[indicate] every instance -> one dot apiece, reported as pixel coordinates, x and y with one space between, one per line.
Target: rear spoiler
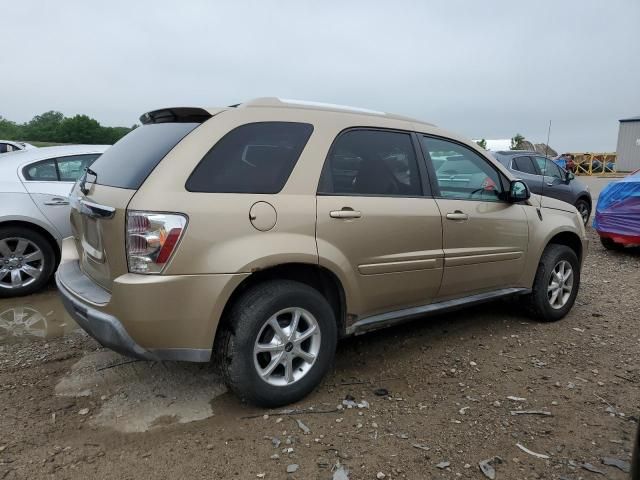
176 115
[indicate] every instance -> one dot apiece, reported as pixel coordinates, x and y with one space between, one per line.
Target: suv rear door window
524 164
252 158
130 161
371 162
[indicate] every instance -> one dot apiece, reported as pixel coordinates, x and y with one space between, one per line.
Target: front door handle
57 201
346 212
551 184
457 215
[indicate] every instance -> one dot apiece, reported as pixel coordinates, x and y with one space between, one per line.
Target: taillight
152 239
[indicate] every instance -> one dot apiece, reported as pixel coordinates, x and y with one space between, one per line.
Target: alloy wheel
560 284
583 210
287 346
21 262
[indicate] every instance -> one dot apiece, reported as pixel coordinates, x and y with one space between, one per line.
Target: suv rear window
130 161
252 158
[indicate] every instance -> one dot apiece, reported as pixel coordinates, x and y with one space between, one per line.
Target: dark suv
544 177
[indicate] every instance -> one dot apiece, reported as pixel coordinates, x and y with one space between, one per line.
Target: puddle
40 316
136 396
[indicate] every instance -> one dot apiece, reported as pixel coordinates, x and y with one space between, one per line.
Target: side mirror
518 191
570 176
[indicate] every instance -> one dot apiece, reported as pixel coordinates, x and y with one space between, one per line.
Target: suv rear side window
371 162
130 161
252 158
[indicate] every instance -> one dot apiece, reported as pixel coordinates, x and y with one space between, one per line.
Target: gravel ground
430 399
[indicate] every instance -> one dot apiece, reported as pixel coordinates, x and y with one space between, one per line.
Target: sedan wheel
27 261
21 263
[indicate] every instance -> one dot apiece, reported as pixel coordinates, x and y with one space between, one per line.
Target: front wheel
556 284
584 209
280 342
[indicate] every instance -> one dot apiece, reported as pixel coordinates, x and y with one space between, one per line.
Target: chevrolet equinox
259 234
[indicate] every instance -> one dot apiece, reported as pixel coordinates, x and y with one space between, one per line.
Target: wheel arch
569 239
41 230
320 278
584 196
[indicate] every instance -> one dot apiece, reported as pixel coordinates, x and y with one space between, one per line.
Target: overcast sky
480 68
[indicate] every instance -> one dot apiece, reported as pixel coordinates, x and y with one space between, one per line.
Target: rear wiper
83 180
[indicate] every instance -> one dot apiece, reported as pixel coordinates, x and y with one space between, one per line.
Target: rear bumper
152 317
105 328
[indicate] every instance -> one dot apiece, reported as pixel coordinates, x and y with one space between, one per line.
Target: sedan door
375 223
49 183
485 238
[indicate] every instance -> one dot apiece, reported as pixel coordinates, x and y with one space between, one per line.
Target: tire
538 302
585 210
248 323
9 245
609 244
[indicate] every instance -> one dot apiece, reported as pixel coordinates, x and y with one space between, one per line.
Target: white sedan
34 212
8 146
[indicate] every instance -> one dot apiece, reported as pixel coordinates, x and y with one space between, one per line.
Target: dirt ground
69 409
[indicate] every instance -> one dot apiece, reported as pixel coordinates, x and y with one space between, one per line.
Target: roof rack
312 105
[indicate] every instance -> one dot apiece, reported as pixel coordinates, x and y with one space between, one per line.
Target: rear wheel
556 284
609 244
584 209
27 261
280 342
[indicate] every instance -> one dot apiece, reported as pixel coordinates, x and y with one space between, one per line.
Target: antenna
544 179
546 148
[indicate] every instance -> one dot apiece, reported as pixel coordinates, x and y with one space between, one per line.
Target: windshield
130 161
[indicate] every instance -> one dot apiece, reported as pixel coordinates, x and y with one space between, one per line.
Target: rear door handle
346 212
457 215
57 201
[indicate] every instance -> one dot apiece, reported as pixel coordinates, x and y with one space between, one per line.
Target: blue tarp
618 209
561 162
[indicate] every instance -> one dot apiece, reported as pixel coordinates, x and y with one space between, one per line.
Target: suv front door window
484 237
371 209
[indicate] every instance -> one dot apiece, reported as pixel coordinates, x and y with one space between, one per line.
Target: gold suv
261 233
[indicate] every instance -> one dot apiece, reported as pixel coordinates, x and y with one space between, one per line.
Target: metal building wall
628 150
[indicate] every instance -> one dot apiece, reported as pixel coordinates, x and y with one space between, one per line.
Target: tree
516 142
44 128
80 129
55 127
8 130
482 143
